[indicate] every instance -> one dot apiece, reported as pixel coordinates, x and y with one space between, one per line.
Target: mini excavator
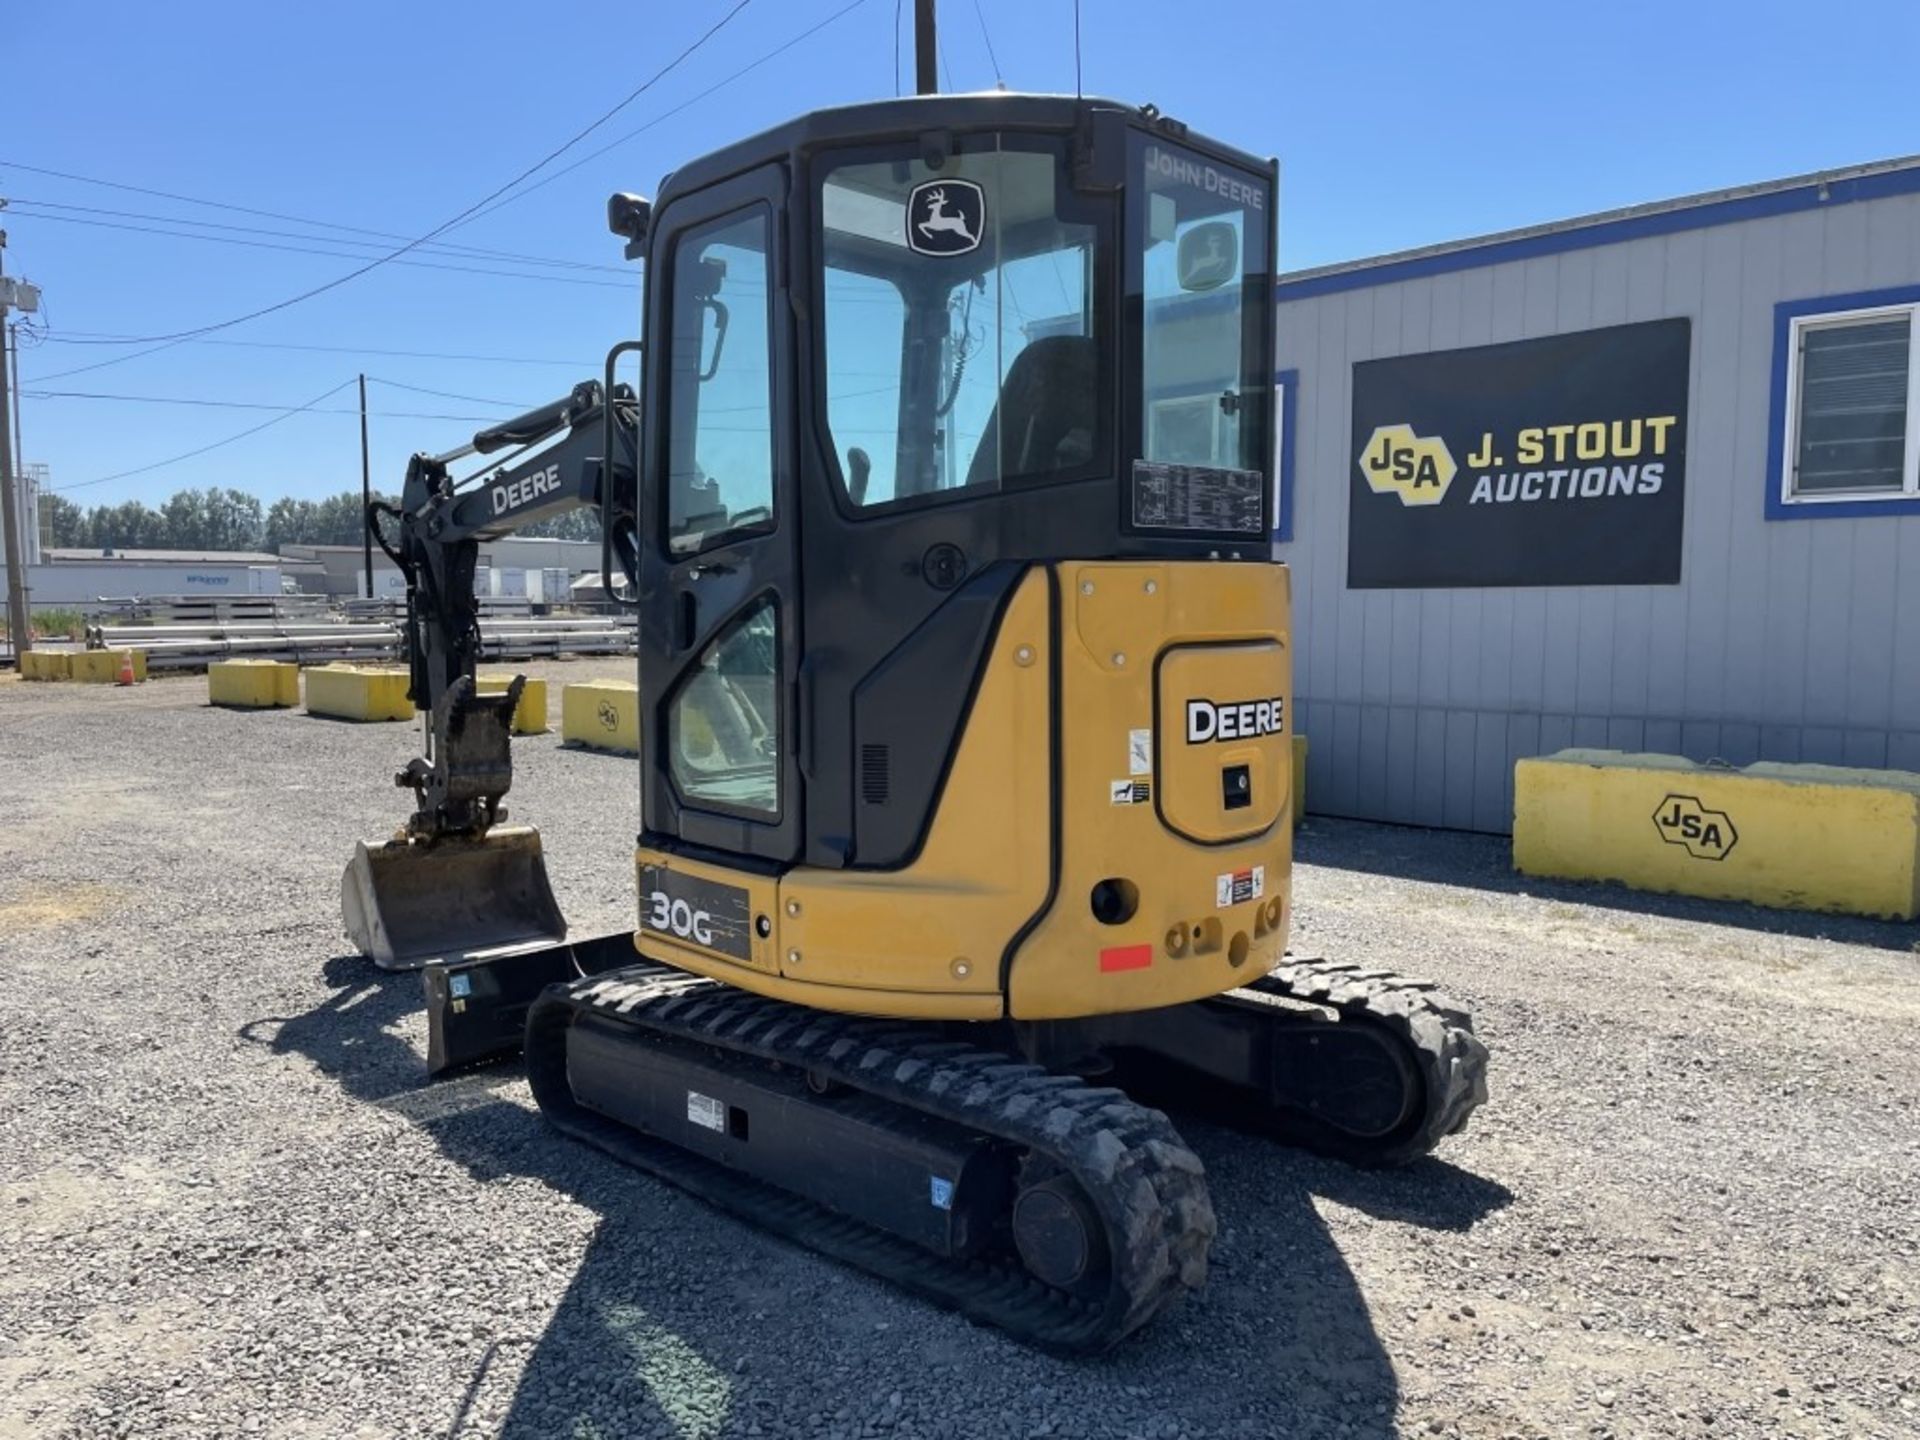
944 501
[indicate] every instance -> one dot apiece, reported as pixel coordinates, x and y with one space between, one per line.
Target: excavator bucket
413 903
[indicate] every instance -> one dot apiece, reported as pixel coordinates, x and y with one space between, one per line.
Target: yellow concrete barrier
253 684
1795 837
350 693
1299 777
530 715
102 667
602 715
46 665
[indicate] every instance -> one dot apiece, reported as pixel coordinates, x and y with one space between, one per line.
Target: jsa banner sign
1559 461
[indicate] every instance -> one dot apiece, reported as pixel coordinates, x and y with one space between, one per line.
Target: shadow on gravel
1485 862
1280 1343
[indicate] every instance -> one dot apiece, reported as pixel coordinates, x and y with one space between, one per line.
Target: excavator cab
966 712
934 385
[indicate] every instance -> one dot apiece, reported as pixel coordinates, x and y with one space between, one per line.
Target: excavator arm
455 881
559 465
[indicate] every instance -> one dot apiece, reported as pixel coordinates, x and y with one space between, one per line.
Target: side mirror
628 217
1209 256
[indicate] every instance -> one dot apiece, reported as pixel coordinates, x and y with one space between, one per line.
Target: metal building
1648 480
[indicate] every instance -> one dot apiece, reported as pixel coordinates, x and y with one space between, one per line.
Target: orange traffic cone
126 668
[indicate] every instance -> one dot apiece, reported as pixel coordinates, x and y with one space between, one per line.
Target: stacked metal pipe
185 646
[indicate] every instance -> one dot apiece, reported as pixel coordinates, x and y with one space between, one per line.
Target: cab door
719 621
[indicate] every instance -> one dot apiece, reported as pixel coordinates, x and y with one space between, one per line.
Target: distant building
1647 480
515 566
68 576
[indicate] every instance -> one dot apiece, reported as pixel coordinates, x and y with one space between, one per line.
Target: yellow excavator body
965 710
1175 840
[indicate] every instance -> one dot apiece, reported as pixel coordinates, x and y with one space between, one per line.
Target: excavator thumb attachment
414 903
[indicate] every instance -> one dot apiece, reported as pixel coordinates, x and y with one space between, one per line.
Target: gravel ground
229 1205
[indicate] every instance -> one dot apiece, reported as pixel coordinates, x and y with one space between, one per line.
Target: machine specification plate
688 908
1198 497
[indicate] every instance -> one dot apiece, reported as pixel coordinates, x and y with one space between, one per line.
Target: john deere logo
946 217
1416 468
609 717
1707 834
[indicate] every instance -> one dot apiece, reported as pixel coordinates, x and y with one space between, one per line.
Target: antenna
1079 91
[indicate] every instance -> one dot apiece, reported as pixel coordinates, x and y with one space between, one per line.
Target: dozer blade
477 1009
414 903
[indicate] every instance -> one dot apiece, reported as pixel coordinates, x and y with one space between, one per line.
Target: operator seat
1048 410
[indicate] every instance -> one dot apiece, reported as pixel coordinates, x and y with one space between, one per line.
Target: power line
247 405
176 336
217 444
666 115
449 395
484 209
62 339
122 225
437 246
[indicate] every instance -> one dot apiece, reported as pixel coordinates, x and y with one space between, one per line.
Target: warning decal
1240 886
707 1112
1130 792
1140 752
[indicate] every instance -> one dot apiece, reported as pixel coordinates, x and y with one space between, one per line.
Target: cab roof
881 121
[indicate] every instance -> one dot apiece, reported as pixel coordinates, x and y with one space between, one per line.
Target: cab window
720 392
961 334
1202 271
723 724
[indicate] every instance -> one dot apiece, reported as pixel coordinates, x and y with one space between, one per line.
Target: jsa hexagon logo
1707 834
1417 468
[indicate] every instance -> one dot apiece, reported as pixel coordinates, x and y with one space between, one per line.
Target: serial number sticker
1140 752
942 1192
704 1110
1129 792
1239 887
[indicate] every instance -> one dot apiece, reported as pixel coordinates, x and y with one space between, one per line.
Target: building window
1852 422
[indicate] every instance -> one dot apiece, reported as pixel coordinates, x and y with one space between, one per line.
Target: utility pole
926 50
19 451
366 493
18 616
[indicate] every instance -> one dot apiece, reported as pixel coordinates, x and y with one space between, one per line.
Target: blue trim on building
1784 314
1608 232
1289 383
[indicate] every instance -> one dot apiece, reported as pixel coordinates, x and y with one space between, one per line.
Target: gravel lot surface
230 1205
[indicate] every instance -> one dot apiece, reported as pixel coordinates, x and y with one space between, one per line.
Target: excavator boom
455 882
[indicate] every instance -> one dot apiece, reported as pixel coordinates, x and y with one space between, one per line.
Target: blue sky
1397 124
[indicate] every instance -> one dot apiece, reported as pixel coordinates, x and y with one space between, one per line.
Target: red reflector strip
1126 957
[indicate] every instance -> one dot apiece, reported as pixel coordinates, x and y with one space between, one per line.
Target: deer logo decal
946 217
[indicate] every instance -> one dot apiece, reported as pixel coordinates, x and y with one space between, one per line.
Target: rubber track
1147 1186
1436 1032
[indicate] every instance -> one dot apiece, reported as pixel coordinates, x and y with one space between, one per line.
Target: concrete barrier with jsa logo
1794 837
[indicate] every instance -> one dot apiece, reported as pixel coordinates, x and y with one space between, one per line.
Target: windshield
1201 269
961 334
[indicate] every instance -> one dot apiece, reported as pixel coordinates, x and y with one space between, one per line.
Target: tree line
219 519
